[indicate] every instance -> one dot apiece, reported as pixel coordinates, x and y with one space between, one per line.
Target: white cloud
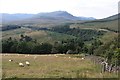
91 8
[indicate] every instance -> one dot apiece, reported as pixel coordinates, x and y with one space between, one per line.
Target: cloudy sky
88 8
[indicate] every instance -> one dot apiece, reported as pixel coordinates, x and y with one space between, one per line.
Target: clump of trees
73 45
25 45
96 43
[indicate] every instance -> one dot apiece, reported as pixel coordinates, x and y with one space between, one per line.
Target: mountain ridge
56 15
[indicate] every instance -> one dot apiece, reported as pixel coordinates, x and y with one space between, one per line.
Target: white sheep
21 64
83 58
10 60
27 63
69 57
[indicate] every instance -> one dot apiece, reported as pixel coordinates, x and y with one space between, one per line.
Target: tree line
28 45
9 27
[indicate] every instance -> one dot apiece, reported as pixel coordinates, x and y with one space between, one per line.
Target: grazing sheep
21 64
83 58
69 57
27 63
10 60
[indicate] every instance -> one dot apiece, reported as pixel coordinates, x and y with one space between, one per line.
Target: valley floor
51 66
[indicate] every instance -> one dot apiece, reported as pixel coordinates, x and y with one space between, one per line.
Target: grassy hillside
98 25
40 36
109 36
15 33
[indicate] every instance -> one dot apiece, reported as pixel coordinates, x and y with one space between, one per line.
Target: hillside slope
110 23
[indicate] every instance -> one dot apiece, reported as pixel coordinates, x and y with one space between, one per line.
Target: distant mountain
86 18
62 15
57 15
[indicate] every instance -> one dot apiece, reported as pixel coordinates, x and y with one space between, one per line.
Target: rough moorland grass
51 66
